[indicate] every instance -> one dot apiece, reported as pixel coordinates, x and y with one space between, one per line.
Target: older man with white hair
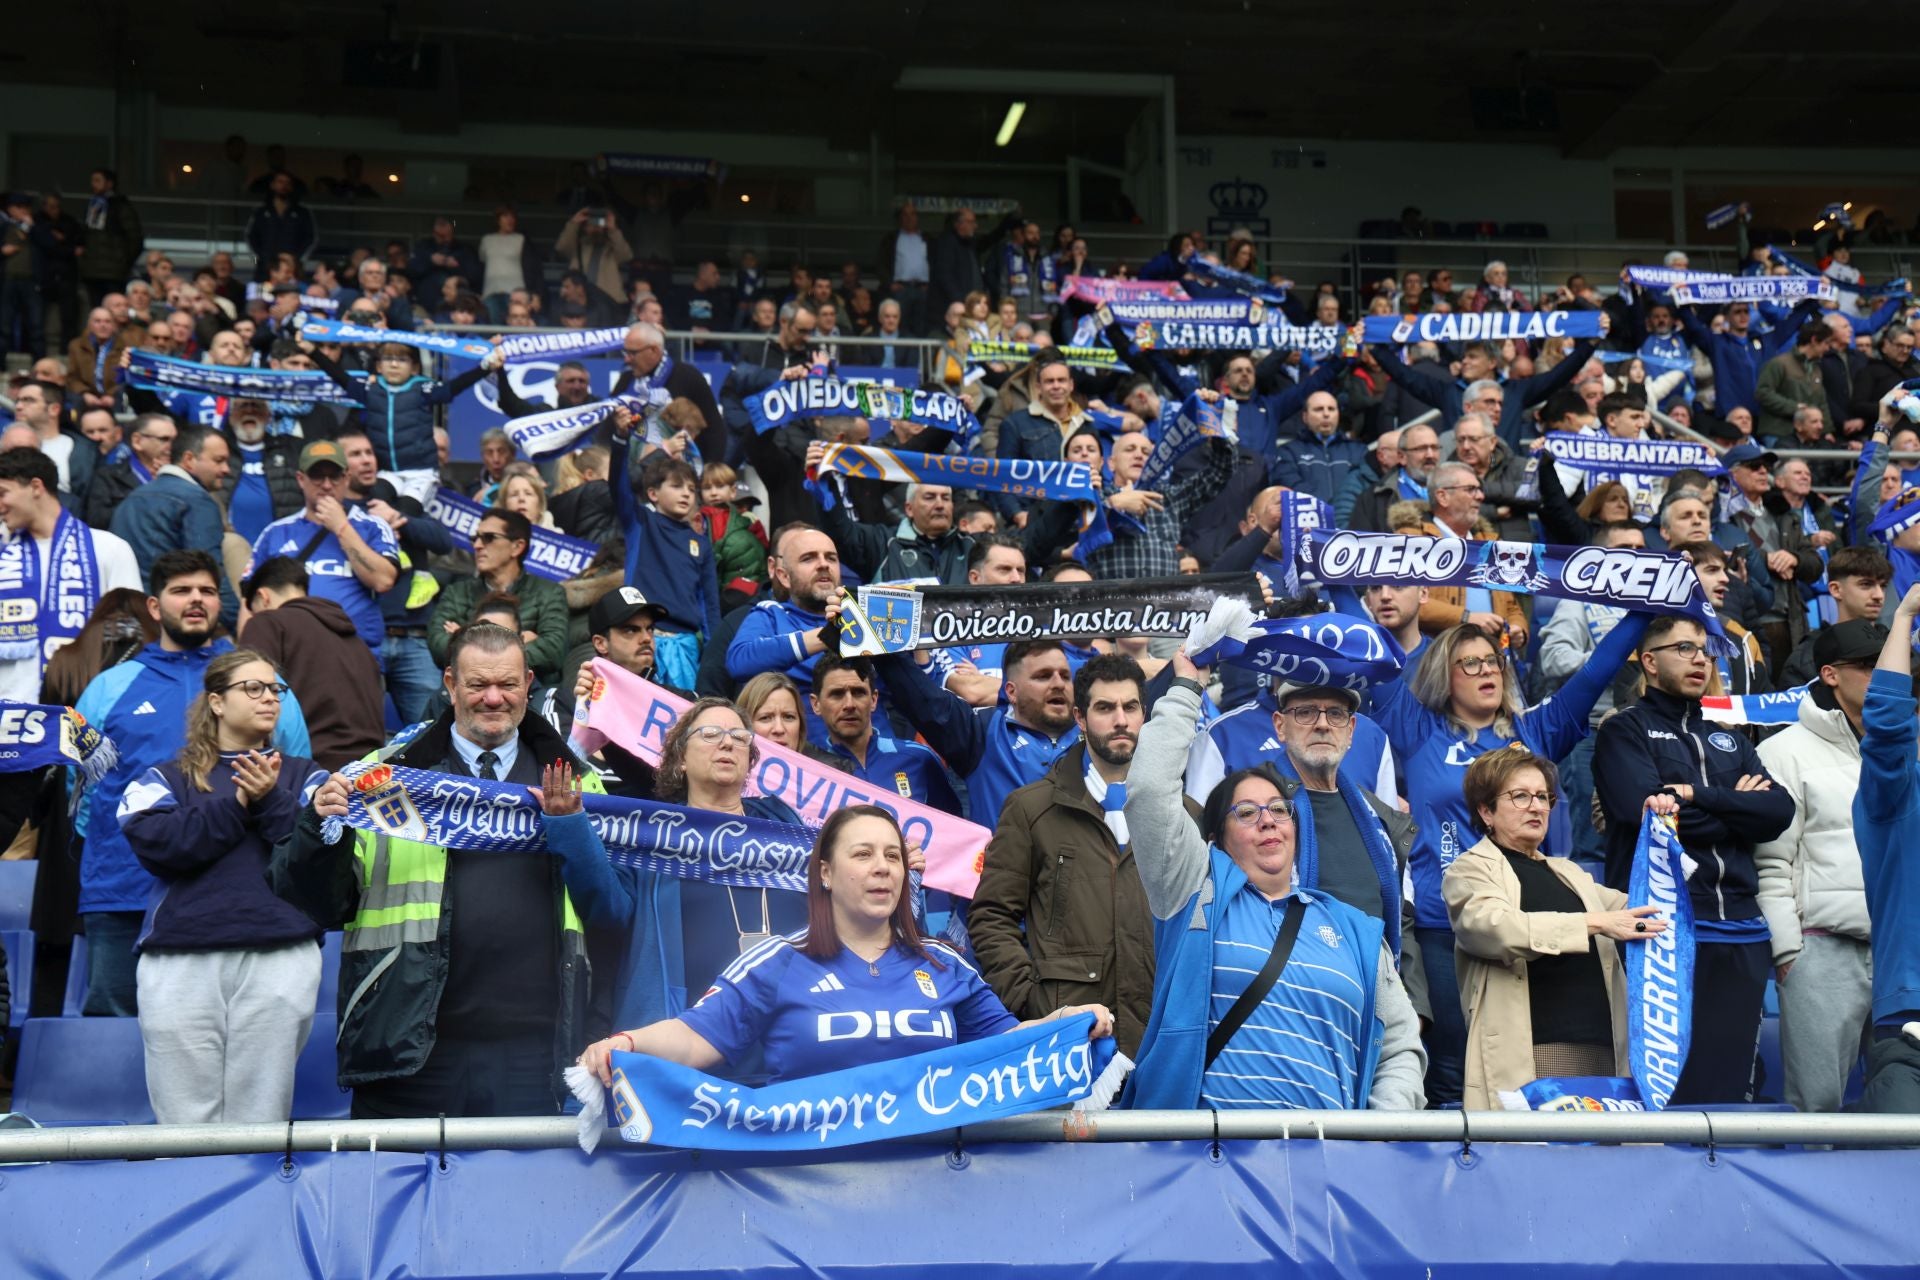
644 351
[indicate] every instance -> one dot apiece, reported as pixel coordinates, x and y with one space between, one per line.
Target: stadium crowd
1272 893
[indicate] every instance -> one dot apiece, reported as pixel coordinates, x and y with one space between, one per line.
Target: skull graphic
1513 565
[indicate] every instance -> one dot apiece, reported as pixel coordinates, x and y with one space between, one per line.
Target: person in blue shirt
1886 823
141 706
1738 353
397 401
845 699
995 750
856 986
350 556
1334 1029
786 634
667 557
1460 702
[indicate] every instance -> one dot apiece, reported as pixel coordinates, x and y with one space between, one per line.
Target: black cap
615 607
1857 640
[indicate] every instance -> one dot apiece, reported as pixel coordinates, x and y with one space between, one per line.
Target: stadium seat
82 1071
74 1003
16 892
18 945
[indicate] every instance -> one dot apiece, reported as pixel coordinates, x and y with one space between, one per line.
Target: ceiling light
186 168
393 177
745 198
1012 122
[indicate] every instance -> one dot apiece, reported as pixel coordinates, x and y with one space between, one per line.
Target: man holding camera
592 245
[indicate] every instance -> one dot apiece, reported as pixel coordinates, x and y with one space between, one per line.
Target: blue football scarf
1727 289
1197 420
1628 578
559 431
1611 456
1216 324
1782 706
361 335
1225 277
820 397
1659 970
1660 279
1021 477
33 736
1574 1093
1481 326
1409 489
1322 649
457 812
983 351
1373 838
1890 289
1896 517
567 342
152 372
1300 514
320 306
41 611
550 555
1722 216
1650 360
663 1104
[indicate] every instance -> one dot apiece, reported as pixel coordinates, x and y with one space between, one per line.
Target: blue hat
1746 454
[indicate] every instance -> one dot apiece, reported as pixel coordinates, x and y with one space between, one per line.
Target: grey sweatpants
1826 1004
223 1030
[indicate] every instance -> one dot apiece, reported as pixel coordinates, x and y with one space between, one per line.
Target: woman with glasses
1543 983
228 972
1460 702
1266 994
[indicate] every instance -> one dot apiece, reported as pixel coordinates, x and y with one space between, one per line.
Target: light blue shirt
910 258
469 752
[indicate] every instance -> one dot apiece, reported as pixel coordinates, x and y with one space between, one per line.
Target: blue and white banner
318 305
558 431
33 736
1022 477
500 817
981 351
1483 326
1660 969
348 334
152 372
566 344
785 403
1032 1068
551 555
634 165
1247 286
1325 649
1865 292
1896 517
1199 419
1650 361
1574 1093
1660 279
1217 324
1611 455
1625 577
1751 289
1723 216
1782 706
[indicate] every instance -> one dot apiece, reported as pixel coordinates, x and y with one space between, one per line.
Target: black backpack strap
1262 982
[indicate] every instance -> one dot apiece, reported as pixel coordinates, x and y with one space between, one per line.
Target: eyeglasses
711 734
1529 799
488 538
1461 488
1307 717
258 689
1475 665
1687 650
1247 813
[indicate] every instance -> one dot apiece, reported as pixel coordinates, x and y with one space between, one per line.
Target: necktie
488 771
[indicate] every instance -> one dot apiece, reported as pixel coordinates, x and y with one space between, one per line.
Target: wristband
621 1035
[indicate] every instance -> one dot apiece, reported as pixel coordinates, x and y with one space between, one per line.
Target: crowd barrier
1150 1195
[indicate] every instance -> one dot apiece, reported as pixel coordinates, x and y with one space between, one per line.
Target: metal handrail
1717 1129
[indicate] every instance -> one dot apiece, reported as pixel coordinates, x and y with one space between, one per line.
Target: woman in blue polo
858 985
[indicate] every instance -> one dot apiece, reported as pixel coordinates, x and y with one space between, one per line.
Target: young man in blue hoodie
141 706
1886 823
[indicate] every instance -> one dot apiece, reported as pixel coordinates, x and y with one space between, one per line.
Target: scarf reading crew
1048 1064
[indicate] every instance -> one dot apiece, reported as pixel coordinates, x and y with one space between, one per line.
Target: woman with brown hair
119 627
775 710
1606 504
859 952
1541 978
228 972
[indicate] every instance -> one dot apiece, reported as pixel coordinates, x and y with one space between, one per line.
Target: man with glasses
1419 454
644 352
350 556
500 545
1500 471
150 440
1456 494
1728 805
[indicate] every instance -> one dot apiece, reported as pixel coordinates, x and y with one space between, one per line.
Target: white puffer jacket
1810 876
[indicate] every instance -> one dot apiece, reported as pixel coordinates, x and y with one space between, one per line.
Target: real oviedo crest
387 802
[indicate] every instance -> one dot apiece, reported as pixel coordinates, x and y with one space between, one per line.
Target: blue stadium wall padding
1141 1210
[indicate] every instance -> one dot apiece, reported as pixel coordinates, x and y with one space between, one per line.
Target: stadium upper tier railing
192 229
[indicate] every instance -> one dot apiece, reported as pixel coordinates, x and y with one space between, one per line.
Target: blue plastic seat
18 945
16 893
82 1071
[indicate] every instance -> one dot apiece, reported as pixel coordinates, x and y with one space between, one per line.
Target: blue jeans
112 989
1447 1036
412 679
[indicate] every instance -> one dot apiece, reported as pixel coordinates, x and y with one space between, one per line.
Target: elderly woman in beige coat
1541 979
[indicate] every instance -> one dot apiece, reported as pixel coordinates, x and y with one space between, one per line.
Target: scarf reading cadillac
1217 324
341 331
550 555
1609 455
786 402
900 619
150 372
1650 581
500 817
1482 326
1048 1064
33 736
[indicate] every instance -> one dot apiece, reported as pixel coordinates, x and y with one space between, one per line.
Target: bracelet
624 1036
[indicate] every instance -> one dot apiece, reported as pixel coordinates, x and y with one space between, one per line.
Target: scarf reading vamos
1047 1064
1217 324
1651 581
787 402
1482 326
347 334
33 736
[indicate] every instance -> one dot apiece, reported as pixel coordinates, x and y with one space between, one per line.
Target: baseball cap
615 607
1287 690
1857 640
322 451
1747 454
